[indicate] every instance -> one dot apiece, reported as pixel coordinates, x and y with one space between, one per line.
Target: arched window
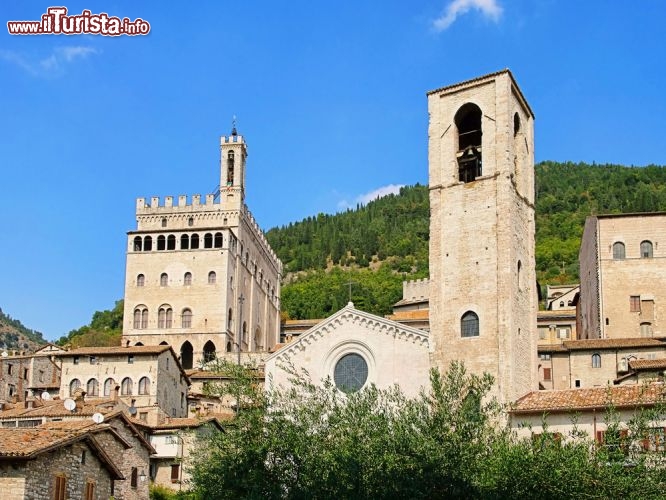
646 249
147 244
74 385
185 242
228 346
218 240
108 386
144 386
186 355
137 243
190 221
194 241
212 278
230 168
244 333
187 279
561 303
469 325
161 242
186 320
229 319
164 279
596 360
164 317
468 124
140 280
164 221
618 250
138 344
208 240
171 242
92 387
140 318
646 329
126 387
516 124
209 351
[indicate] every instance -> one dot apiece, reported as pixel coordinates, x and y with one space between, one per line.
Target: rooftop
572 400
648 364
55 408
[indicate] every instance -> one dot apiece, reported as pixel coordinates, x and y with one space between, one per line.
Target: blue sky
330 97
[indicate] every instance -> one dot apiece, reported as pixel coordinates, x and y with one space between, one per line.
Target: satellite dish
98 418
70 404
46 396
4 354
132 410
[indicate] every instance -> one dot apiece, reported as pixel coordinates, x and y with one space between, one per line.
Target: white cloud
488 8
366 198
53 64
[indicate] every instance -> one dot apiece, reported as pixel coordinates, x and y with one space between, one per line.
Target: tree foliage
14 335
312 441
105 329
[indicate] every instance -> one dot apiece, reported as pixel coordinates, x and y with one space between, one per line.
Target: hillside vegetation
391 234
15 336
105 329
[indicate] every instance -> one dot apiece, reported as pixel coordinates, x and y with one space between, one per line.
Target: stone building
623 271
200 275
483 296
128 449
149 378
26 375
174 440
57 464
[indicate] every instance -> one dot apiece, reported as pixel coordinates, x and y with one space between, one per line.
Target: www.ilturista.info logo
57 22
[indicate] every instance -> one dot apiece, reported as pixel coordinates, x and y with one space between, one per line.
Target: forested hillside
391 234
15 336
105 329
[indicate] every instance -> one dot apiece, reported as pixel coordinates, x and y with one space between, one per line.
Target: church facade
200 275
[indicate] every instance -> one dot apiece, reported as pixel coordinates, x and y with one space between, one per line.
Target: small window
187 279
212 278
164 279
208 240
184 242
646 329
634 303
190 221
618 251
108 385
547 374
229 319
92 388
130 359
596 360
10 367
194 242
577 383
161 243
218 240
89 493
646 249
75 360
469 324
93 360
73 386
144 386
137 243
171 242
126 387
175 473
187 318
164 222
83 457
140 280
147 244
134 481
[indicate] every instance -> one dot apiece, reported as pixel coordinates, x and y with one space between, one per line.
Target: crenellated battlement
157 205
416 289
261 237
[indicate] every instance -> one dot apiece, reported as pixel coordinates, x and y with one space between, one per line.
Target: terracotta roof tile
31 441
55 408
183 423
648 364
571 400
613 343
140 349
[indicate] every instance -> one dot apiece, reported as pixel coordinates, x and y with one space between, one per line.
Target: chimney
29 403
79 397
115 393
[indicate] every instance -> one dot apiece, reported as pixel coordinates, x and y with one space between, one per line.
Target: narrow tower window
230 168
468 124
147 244
171 242
187 279
184 242
140 280
137 243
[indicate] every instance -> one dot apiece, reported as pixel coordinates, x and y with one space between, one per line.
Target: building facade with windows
148 378
200 275
623 271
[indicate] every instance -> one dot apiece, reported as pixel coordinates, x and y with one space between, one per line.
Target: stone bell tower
233 154
483 297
